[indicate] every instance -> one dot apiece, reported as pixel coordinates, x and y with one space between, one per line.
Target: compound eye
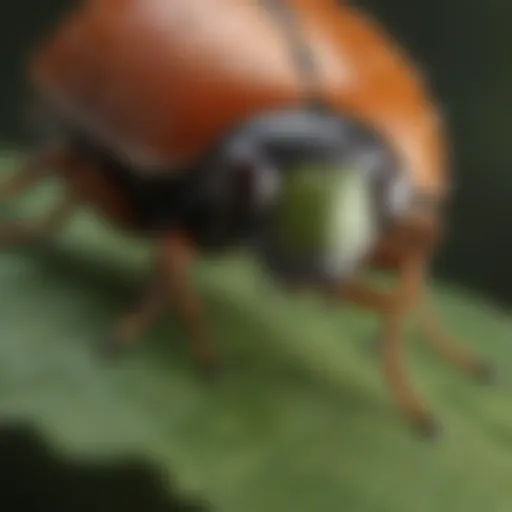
399 195
253 174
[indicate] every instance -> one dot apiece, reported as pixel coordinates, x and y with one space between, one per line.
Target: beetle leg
177 256
442 343
145 313
15 233
393 308
37 168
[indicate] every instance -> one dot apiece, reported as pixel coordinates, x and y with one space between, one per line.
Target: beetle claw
113 348
430 429
374 344
487 374
209 371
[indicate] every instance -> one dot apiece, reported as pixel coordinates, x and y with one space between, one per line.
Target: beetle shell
159 81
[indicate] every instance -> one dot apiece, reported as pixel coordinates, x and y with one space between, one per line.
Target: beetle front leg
177 257
394 366
394 308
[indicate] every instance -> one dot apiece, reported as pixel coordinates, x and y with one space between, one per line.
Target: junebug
297 128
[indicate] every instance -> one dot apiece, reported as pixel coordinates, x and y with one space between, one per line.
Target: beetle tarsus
374 344
114 348
487 374
209 371
429 428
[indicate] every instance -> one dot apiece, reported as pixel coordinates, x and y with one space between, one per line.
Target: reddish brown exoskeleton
212 123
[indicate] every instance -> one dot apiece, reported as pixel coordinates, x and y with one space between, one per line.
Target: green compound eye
302 210
326 215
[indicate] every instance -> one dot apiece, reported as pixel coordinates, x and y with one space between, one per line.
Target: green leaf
301 420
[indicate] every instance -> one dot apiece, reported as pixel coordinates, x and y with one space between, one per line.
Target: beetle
297 128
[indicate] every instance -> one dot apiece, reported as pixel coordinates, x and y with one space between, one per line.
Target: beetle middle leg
442 343
142 316
16 233
38 168
177 257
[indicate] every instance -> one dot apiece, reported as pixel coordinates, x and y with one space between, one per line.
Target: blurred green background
463 47
301 420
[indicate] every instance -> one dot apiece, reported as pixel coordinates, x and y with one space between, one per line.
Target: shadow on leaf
33 477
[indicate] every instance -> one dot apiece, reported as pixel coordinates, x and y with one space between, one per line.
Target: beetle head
325 189
325 221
